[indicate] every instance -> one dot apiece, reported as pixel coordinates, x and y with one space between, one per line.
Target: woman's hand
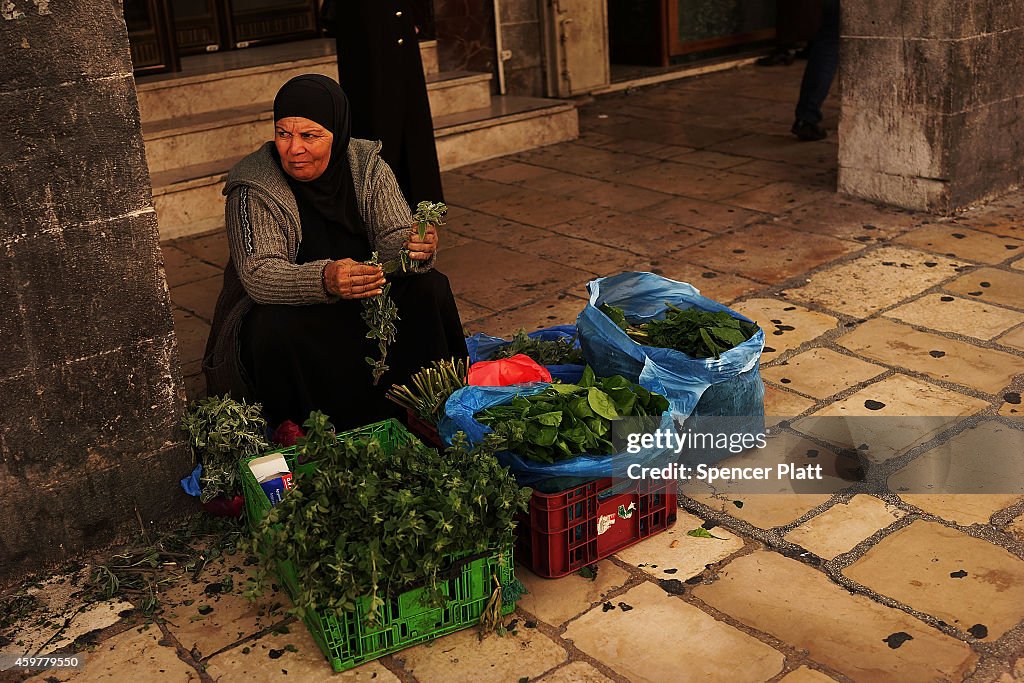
422 250
353 280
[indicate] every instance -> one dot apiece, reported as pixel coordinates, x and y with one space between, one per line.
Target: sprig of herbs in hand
381 317
428 214
697 333
220 431
431 387
369 524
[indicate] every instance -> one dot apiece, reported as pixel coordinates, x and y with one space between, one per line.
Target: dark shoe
807 131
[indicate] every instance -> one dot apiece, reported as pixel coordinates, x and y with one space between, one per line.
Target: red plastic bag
518 369
222 506
287 433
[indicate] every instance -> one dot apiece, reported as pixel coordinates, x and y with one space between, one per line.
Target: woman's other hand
422 249
353 280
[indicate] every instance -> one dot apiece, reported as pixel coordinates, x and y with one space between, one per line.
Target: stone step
233 79
188 199
199 138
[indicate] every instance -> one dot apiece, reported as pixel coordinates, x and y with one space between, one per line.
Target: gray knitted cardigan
264 233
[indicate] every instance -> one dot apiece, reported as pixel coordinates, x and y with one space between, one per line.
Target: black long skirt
305 358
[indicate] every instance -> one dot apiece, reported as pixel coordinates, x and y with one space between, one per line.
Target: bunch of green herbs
373 522
697 333
567 420
431 387
220 431
545 352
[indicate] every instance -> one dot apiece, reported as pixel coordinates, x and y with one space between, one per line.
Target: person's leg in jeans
822 61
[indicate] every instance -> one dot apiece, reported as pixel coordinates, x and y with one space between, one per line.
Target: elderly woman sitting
303 213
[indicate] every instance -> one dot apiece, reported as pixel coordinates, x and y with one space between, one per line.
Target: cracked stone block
130 656
955 241
822 372
555 601
844 525
786 325
675 555
576 672
948 314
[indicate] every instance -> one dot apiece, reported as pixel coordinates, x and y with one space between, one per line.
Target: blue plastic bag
190 484
483 347
702 387
468 401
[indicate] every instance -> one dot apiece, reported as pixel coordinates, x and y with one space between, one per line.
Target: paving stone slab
181 267
470 312
659 637
211 247
673 554
768 253
844 525
875 281
985 370
690 181
465 190
648 237
462 656
708 159
957 315
851 634
617 196
294 654
782 405
964 509
191 334
958 242
598 259
786 325
1014 338
822 372
199 297
512 172
969 583
553 309
536 208
806 675
466 224
779 197
991 285
851 219
555 601
575 672
721 287
134 656
703 215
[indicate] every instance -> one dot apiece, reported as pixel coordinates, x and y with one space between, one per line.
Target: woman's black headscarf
320 99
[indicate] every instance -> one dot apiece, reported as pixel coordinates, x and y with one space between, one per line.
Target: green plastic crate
346 641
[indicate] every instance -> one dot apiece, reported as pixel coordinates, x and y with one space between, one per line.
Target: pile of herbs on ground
567 420
220 431
545 352
697 333
431 387
370 524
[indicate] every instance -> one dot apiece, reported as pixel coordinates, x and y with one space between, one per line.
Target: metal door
576 46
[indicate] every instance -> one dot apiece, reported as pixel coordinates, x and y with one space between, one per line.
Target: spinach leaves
698 334
545 352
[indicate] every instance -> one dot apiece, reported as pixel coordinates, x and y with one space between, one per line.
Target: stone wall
933 101
89 374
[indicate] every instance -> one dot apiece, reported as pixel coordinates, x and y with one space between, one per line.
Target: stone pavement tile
958 242
556 601
536 208
991 285
450 240
806 675
779 197
722 287
469 312
586 255
889 417
957 315
1018 264
62 623
849 633
786 325
701 214
964 509
462 656
191 334
631 146
773 502
582 160
576 672
497 278
211 247
473 225
554 309
813 176
181 267
1013 339
640 235
657 640
780 404
822 372
195 386
781 147
465 190
233 616
674 555
850 219
271 658
767 253
129 656
844 525
199 297
672 152
594 191
1016 527
706 159
512 173
954 361
969 583
690 181
874 281
1010 409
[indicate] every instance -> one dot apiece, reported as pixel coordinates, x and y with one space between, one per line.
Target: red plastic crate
426 432
566 531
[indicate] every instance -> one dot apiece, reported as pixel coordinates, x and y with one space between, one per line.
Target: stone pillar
90 388
933 101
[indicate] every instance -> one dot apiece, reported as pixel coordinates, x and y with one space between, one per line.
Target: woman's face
304 147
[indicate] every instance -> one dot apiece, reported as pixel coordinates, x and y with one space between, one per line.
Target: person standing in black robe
380 68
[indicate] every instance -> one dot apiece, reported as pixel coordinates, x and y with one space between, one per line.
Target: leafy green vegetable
370 524
545 352
431 388
220 431
427 214
701 532
698 334
381 317
566 420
